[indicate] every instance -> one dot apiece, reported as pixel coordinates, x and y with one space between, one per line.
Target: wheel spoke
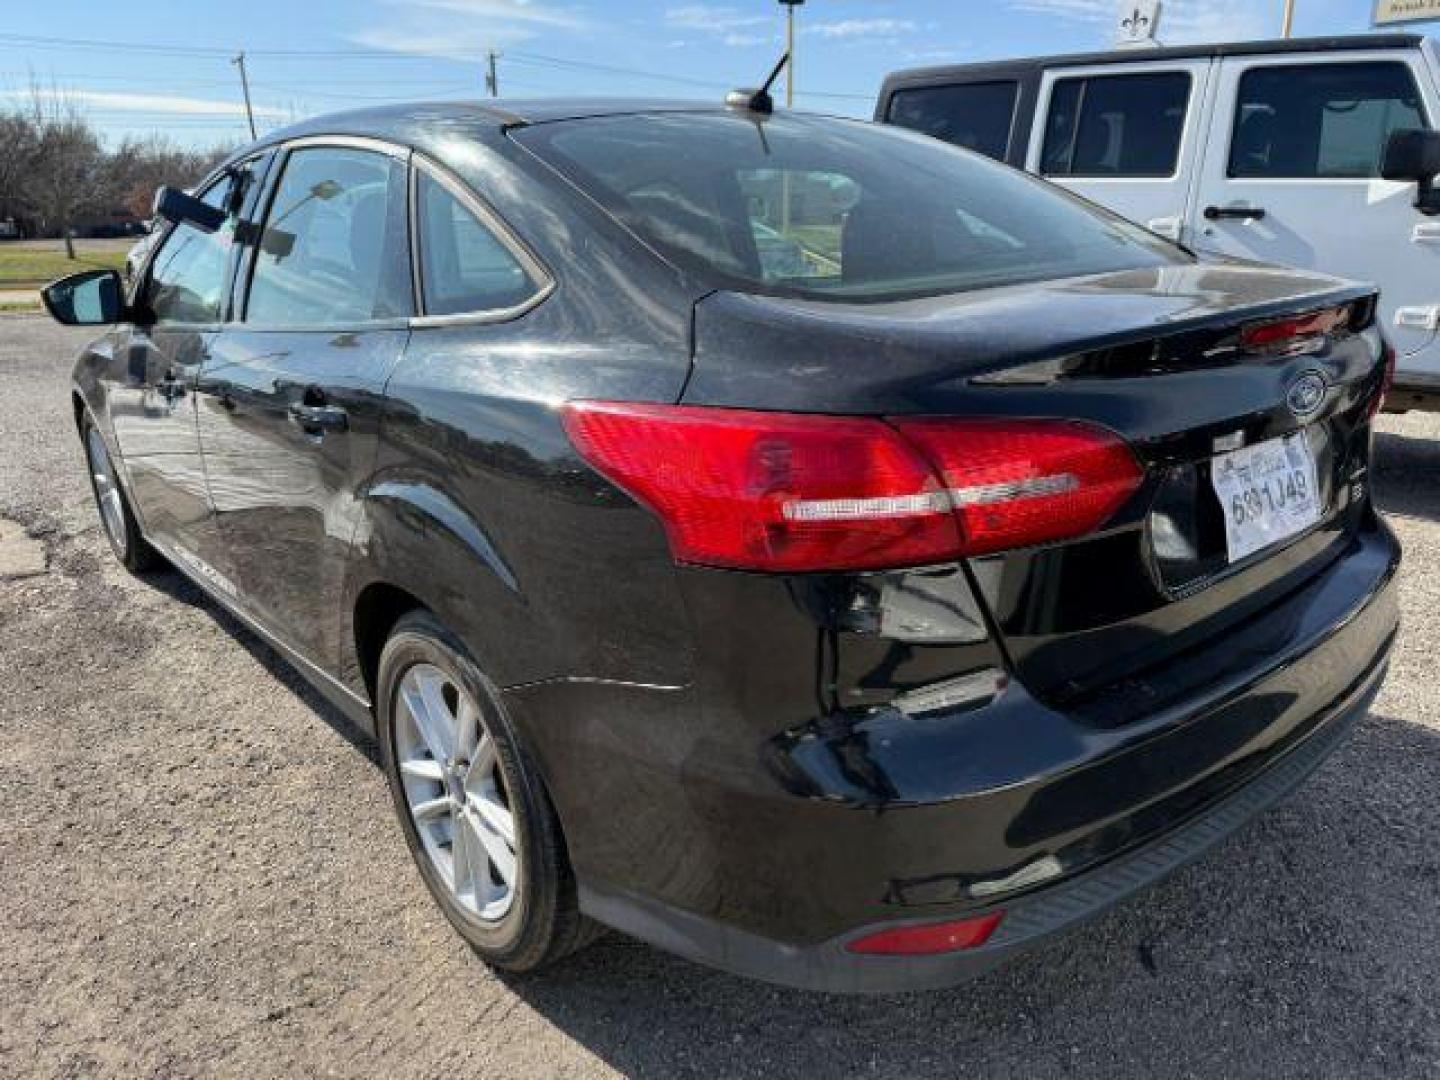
501 857
423 695
495 815
463 856
424 769
467 728
431 809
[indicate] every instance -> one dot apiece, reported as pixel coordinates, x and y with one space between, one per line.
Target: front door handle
1426 233
1234 213
318 419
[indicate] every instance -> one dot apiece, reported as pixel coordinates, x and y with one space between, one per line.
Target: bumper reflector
928 939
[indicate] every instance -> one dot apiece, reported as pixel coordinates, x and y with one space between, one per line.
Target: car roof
1024 65
399 121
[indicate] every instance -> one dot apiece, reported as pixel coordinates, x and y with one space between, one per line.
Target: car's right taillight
796 492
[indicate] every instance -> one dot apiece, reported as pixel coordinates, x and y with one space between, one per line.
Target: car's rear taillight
1015 483
792 492
1294 331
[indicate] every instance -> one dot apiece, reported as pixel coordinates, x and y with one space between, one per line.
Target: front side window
976 116
1320 120
333 250
464 267
187 276
825 208
1116 125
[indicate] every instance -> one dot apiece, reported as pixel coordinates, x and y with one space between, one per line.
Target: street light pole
1289 18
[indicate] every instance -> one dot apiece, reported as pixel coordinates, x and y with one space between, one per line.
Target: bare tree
67 174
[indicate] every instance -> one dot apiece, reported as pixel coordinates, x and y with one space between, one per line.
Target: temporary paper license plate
1268 491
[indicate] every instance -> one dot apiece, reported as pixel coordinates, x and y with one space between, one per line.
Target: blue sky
144 66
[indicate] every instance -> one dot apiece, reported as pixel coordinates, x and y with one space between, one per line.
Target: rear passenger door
291 395
1128 138
1292 176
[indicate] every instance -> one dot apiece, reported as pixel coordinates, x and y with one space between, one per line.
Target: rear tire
117 520
476 817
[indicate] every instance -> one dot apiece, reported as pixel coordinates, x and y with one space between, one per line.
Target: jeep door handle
317 419
1234 213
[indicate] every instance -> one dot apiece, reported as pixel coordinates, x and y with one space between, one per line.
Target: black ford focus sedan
805 546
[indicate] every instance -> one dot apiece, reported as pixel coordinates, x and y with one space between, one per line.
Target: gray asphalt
199 872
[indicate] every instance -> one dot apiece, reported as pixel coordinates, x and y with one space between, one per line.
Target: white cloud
462 28
870 28
1181 21
716 18
143 103
747 40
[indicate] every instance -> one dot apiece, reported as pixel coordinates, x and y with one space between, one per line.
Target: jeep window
1116 125
976 116
1320 120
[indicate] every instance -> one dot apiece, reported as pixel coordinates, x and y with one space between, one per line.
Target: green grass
19 307
30 268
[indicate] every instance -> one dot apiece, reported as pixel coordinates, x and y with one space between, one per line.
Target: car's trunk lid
1152 355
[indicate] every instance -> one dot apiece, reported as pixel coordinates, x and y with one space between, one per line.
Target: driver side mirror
1413 155
90 298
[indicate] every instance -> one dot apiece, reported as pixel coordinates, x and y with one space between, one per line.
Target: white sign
1139 20
1402 11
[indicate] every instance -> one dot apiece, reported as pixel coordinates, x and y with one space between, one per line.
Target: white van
1270 150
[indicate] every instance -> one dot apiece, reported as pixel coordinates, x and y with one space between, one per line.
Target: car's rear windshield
826 208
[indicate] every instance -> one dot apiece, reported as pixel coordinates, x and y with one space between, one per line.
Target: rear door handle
1426 233
1234 213
318 419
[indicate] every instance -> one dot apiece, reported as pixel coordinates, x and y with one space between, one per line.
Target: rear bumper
694 826
1028 920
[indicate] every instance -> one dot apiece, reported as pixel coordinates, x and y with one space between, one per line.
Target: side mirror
176 206
90 298
1413 154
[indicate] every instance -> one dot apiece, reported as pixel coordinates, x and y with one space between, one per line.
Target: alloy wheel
455 791
107 490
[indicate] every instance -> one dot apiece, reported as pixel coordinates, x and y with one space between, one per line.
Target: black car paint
731 753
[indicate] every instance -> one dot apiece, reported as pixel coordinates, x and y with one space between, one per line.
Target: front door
291 394
1126 137
180 299
1292 176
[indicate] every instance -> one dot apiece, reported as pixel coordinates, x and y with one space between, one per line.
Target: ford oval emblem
1306 395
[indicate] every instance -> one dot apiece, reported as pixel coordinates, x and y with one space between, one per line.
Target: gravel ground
201 875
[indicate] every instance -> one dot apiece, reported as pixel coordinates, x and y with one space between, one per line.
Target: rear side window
464 267
812 206
1320 120
976 116
333 250
1116 125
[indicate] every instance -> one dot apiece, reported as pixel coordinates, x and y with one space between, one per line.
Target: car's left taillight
797 492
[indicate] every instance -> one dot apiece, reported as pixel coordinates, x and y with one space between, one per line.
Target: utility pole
1289 18
492 81
239 62
790 6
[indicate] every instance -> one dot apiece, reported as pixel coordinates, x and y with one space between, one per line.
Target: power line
381 54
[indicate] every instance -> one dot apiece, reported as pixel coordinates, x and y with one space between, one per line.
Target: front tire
117 520
478 821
